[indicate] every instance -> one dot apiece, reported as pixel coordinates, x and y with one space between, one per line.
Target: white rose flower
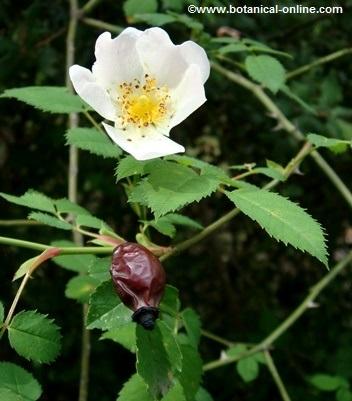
145 85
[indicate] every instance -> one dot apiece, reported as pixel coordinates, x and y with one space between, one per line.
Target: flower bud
139 280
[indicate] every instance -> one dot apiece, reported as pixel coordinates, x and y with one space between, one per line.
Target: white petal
194 54
91 92
153 145
160 57
188 96
117 59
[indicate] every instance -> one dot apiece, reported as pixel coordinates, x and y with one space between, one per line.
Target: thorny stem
290 320
289 169
287 125
317 62
276 376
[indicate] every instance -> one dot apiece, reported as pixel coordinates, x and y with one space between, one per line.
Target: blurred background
240 281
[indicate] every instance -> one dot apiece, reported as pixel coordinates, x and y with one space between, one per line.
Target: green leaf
336 145
170 186
233 48
326 382
106 310
191 374
132 7
81 287
66 206
236 350
170 302
266 70
176 5
24 268
203 395
176 393
54 99
152 361
91 222
166 224
343 394
154 19
129 166
282 219
94 141
76 263
134 389
16 384
248 368
31 199
2 313
124 335
35 337
171 346
99 269
192 324
49 220
272 173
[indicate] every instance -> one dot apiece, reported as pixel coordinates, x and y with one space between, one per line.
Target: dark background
240 281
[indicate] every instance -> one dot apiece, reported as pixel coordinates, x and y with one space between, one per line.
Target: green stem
319 61
275 374
20 222
76 250
216 338
287 125
89 6
93 121
291 319
102 25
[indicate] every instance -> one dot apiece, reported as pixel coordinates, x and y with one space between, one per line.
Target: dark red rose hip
139 280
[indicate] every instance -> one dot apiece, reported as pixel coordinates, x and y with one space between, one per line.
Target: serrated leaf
171 346
154 19
166 224
203 395
106 310
76 263
192 324
175 393
124 335
16 384
170 302
66 206
170 186
152 361
99 269
81 287
248 368
2 313
270 172
266 70
90 221
31 199
132 7
129 166
282 219
92 140
54 99
335 145
49 220
34 336
134 389
191 374
326 382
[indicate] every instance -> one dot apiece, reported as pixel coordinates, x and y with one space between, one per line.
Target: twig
216 338
19 222
89 6
322 60
102 25
276 376
287 125
290 320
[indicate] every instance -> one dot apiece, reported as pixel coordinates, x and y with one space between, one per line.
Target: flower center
144 104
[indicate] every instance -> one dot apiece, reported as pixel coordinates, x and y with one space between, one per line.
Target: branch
275 374
102 25
287 125
290 320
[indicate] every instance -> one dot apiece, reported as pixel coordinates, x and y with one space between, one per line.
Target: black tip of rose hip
146 317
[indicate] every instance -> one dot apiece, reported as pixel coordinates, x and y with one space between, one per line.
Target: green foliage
34 336
99 269
282 219
66 206
16 384
76 263
106 310
54 99
170 302
31 199
90 221
171 346
96 142
326 382
343 394
124 335
129 166
2 313
49 220
134 389
192 324
248 368
170 186
155 19
336 145
203 395
176 393
167 224
24 268
81 287
191 371
266 70
132 7
152 361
